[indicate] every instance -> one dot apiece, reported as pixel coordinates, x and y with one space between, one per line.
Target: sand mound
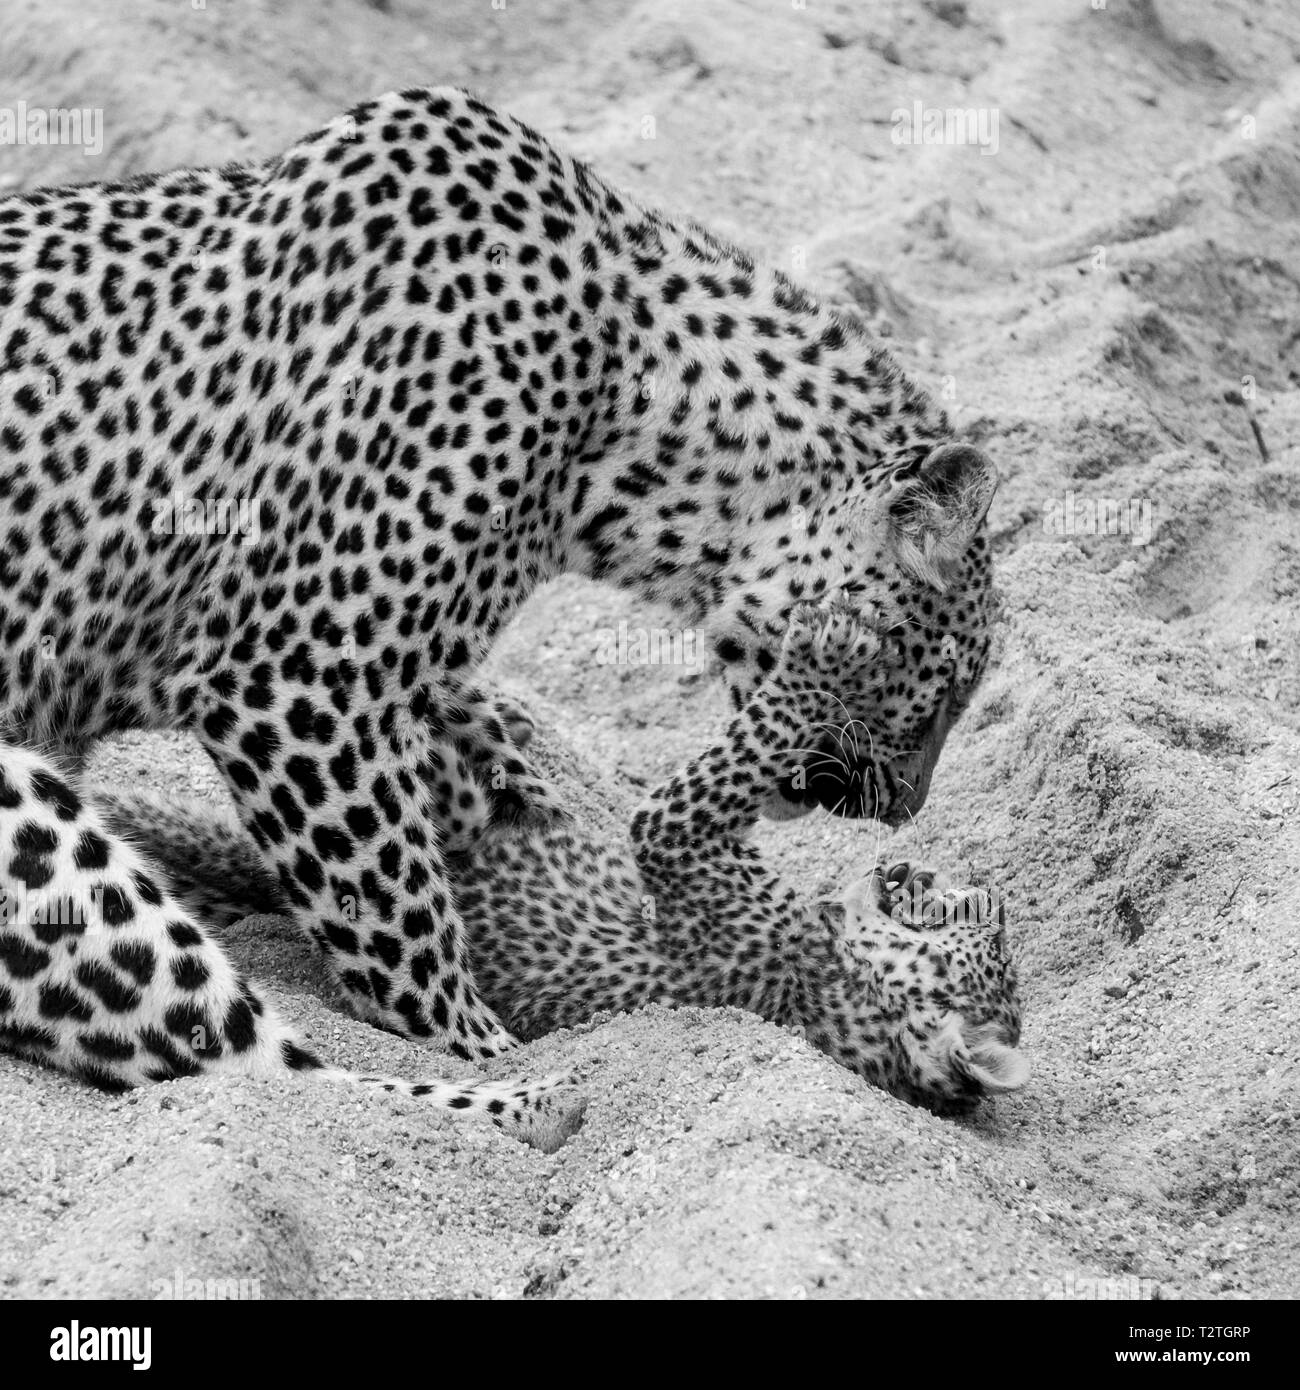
1109 305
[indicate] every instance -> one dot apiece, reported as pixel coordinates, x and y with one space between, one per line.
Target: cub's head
925 1003
915 547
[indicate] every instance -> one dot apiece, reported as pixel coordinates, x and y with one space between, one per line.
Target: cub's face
933 964
954 998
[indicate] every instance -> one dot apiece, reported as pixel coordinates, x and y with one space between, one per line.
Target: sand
1094 301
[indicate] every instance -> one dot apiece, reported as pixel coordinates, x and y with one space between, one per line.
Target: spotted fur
283 445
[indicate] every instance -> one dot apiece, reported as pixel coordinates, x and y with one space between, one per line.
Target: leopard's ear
861 901
935 511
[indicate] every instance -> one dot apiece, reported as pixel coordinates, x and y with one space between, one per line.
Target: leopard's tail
105 975
543 1113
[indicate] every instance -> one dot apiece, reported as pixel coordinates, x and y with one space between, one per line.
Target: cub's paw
518 724
484 726
467 802
825 641
517 797
917 896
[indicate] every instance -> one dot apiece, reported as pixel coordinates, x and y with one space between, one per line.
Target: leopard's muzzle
841 772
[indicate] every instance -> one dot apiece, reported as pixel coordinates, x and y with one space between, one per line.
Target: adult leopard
283 445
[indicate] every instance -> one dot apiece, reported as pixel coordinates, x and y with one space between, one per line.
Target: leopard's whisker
841 704
835 763
818 752
871 744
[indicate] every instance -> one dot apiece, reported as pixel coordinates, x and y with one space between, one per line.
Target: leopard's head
914 548
947 992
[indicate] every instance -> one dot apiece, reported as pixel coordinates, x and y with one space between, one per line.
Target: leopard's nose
911 787
909 778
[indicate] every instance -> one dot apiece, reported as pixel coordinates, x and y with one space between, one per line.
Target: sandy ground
1088 300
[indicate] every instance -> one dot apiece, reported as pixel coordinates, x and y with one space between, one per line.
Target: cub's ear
935 512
